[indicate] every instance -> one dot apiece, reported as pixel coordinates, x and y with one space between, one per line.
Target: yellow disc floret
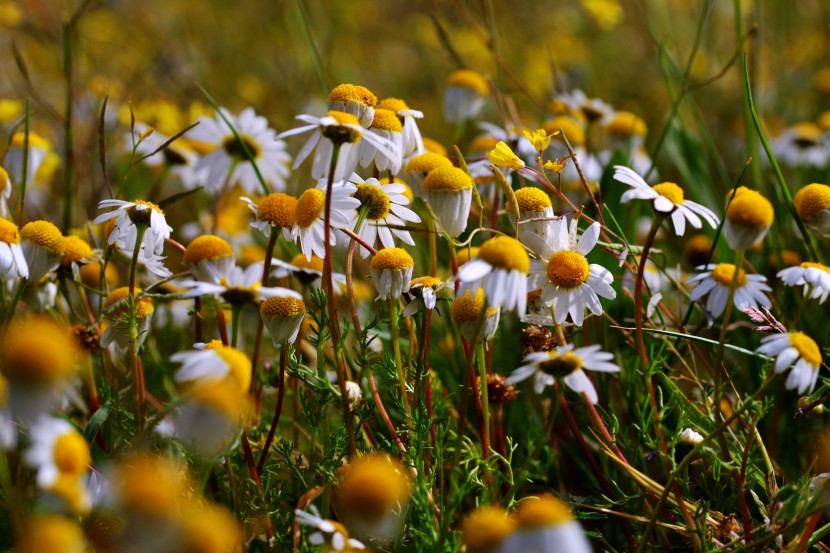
277 209
465 254
568 269
143 216
532 199
374 200
806 134
310 206
35 141
76 250
569 127
750 209
373 486
625 123
467 308
467 78
806 347
542 511
812 200
485 528
71 453
281 307
447 179
37 351
150 484
670 191
354 93
503 252
143 306
44 234
395 104
723 274
343 118
435 147
427 161
314 264
386 120
819 266
239 366
206 247
425 282
9 232
392 259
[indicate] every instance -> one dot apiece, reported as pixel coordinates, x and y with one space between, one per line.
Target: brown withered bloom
537 338
498 392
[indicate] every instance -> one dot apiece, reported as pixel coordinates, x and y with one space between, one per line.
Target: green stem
236 311
485 402
392 306
137 373
18 293
260 327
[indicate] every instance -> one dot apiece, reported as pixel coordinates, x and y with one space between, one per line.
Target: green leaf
96 422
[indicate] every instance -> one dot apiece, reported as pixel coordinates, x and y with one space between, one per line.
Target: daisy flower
449 193
567 279
423 292
343 129
812 203
282 316
625 132
667 198
716 280
238 287
39 147
748 218
486 528
465 312
802 145
118 313
127 217
386 125
412 143
209 257
78 253
43 247
177 156
5 192
213 362
354 99
535 212
209 416
307 271
467 90
419 166
546 524
12 261
796 350
310 211
392 272
815 278
593 109
274 212
384 206
52 533
501 269
331 535
567 364
228 154
57 451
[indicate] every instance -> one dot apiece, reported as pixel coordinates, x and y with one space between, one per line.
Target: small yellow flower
540 139
503 156
554 166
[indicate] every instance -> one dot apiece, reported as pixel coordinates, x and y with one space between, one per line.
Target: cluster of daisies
380 196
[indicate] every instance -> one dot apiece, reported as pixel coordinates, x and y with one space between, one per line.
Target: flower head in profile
815 277
331 535
412 142
715 280
12 261
749 216
392 272
385 214
274 212
60 454
127 218
500 268
812 203
546 524
667 198
43 247
309 215
354 99
212 362
282 316
796 350
467 90
486 528
449 193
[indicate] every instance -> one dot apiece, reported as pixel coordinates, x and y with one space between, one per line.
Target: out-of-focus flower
812 203
798 350
466 310
5 192
421 165
307 271
546 525
802 145
748 218
12 261
43 247
119 307
331 535
467 90
815 278
238 288
607 14
209 257
715 280
178 156
282 316
37 353
486 528
392 272
51 533
594 109
39 147
60 454
212 362
500 268
449 192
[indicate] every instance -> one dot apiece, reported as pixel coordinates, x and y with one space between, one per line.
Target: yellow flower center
568 269
503 252
143 216
91 274
810 265
435 147
206 247
77 250
560 365
340 133
315 264
238 295
239 366
150 484
532 199
670 191
465 254
626 123
724 273
143 307
4 177
234 149
806 347
447 179
427 161
425 281
352 93
310 206
375 200
482 144
386 120
467 308
392 259
570 128
486 527
544 511
806 134
467 78
343 118
35 141
44 234
277 209
395 104
37 351
750 209
8 232
71 453
51 533
373 486
812 200
281 307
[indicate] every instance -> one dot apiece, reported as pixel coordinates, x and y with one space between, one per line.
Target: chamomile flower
625 131
5 192
212 362
449 193
209 257
228 155
667 198
39 147
274 213
12 261
466 311
812 203
412 142
715 280
38 353
52 533
307 271
331 535
569 282
567 364
385 212
386 125
467 90
535 212
546 525
354 99
77 253
310 212
593 109
238 287
127 217
209 416
421 165
392 272
801 145
43 247
501 269
486 528
748 218
423 291
282 316
60 454
341 129
178 156
118 307
796 350
815 278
